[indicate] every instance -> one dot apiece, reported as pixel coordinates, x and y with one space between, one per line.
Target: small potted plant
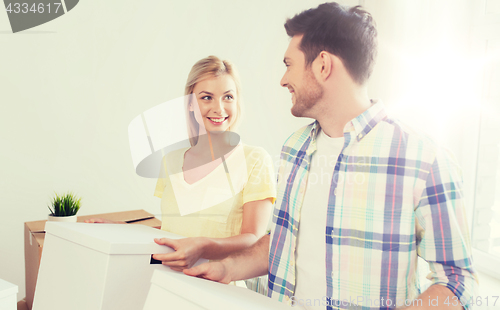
64 208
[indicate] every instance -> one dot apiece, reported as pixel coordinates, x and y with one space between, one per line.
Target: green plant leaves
65 205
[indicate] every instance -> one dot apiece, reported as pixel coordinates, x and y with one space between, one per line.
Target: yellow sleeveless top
213 206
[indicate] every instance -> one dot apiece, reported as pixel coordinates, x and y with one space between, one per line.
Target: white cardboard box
97 266
173 290
34 236
8 295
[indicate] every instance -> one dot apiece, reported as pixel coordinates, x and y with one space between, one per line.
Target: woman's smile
217 121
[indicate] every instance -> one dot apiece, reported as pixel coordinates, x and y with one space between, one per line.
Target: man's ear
324 65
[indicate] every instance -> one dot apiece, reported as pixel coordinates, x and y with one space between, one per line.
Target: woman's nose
218 106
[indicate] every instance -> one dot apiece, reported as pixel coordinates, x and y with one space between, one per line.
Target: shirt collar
366 121
360 126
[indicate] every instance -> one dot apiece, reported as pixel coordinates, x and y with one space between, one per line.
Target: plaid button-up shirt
395 195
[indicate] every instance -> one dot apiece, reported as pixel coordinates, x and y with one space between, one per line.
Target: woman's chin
218 130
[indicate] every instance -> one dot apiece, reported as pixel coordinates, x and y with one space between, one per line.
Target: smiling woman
220 76
218 192
217 102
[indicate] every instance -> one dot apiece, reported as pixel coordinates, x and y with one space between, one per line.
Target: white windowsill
486 264
488 287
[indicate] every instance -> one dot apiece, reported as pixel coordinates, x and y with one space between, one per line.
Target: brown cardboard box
34 235
21 305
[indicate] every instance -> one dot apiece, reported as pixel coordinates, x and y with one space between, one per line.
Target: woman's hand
105 221
187 252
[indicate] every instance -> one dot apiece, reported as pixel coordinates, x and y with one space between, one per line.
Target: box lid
134 216
36 226
7 289
125 216
112 238
212 295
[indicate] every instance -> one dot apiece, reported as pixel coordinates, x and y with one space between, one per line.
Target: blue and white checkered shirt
395 195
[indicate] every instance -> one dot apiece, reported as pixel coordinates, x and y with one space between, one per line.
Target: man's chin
297 111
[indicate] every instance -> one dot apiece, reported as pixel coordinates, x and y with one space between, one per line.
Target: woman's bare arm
189 250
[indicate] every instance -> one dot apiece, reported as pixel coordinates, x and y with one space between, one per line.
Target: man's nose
284 80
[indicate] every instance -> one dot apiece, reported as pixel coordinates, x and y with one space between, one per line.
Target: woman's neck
217 144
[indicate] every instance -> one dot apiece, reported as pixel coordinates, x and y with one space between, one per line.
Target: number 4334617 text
40 8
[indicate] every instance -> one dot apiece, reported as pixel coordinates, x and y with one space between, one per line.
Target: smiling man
361 196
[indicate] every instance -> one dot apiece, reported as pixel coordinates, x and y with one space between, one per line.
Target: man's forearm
436 297
249 263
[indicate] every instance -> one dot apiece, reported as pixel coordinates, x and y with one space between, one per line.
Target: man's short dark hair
348 33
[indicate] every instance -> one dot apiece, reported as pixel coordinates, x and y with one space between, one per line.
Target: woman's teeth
217 120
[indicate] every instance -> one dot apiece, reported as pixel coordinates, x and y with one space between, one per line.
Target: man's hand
248 263
215 271
187 252
434 298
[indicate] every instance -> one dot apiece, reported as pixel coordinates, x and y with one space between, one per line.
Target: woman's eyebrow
206 92
229 91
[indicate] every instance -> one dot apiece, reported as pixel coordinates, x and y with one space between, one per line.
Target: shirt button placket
288 301
334 288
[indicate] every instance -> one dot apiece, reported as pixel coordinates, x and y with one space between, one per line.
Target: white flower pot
68 219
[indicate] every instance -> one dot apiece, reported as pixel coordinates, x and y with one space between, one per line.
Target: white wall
69 88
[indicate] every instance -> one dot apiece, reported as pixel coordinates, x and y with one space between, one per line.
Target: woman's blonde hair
206 68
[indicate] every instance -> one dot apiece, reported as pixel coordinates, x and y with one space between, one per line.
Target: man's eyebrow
206 92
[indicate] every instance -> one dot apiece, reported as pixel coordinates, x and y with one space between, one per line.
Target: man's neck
335 116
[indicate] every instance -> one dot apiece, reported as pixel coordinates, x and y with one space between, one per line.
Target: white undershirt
310 288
